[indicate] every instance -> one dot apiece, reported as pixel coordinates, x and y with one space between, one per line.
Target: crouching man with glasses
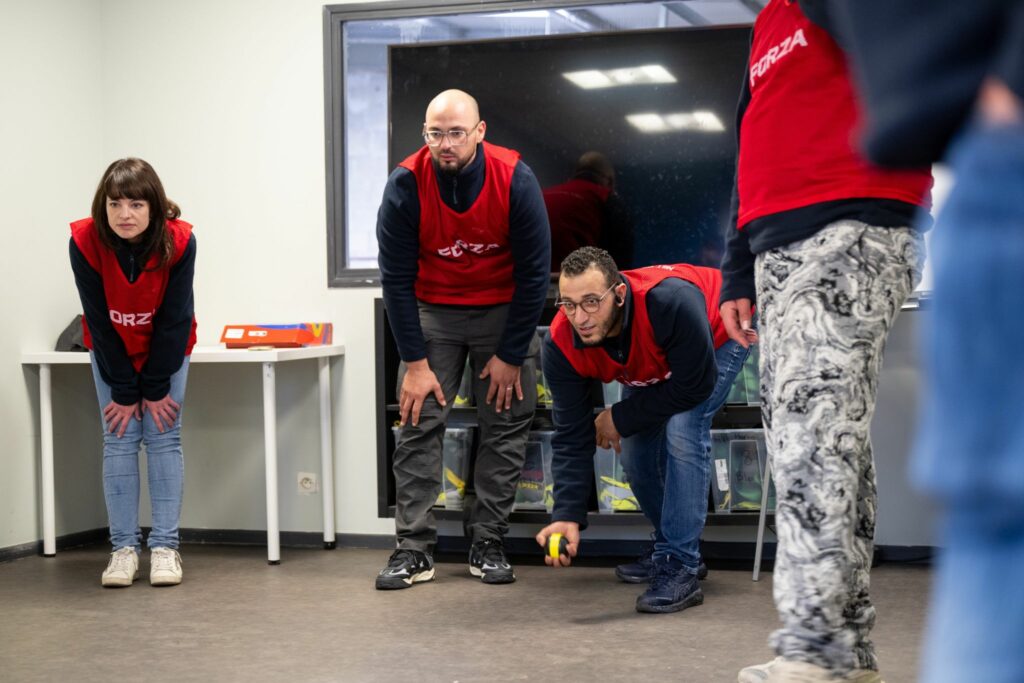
465 252
657 331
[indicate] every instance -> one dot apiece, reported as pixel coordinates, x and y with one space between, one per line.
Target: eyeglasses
589 304
456 136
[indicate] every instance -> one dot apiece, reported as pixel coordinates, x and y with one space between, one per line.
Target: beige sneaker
780 670
164 567
123 568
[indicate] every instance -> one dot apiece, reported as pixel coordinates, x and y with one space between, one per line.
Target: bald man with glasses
657 331
465 250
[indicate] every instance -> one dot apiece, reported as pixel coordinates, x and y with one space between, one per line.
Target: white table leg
270 451
326 453
46 460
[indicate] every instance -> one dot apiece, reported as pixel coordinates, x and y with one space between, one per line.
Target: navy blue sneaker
672 589
641 570
405 567
488 562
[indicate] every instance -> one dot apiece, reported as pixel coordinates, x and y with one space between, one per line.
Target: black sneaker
642 569
672 589
405 567
487 560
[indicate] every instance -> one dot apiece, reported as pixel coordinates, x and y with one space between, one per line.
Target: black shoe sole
492 578
692 600
631 579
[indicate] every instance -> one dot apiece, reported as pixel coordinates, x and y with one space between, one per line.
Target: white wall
225 99
51 157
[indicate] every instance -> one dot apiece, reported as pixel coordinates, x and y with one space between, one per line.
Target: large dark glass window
640 82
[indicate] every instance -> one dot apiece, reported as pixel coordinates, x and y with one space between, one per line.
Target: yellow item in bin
459 485
618 495
549 497
542 394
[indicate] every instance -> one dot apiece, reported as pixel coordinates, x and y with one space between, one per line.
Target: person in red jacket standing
133 262
465 249
823 241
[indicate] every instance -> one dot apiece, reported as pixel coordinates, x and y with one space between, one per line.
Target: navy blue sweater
398 222
172 324
678 316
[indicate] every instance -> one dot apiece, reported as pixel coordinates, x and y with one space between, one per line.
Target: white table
269 359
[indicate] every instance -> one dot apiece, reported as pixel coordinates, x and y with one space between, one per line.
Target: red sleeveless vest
646 363
465 258
798 135
131 305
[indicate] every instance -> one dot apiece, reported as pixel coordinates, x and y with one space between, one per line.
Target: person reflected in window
464 254
133 260
657 331
585 211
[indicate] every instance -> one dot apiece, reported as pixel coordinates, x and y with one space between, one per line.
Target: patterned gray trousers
826 305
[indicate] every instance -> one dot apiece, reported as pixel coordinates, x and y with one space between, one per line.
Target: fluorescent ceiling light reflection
525 14
649 122
588 80
647 74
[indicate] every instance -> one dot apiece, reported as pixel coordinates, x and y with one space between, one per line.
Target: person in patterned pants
820 241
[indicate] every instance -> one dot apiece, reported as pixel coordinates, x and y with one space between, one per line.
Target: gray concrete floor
317 617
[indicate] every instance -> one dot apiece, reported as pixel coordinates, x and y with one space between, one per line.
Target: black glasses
457 137
589 304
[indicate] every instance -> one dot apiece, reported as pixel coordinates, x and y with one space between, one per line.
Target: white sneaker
123 568
164 567
780 670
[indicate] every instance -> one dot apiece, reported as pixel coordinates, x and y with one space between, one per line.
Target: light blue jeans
669 466
165 465
970 447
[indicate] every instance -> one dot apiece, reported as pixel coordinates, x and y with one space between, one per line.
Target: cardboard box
279 336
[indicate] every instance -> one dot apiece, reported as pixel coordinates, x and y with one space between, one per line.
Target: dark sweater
172 325
398 222
678 316
920 64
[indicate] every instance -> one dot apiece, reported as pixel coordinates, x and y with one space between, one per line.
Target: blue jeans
165 465
970 448
669 466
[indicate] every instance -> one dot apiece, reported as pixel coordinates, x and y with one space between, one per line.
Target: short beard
612 324
451 172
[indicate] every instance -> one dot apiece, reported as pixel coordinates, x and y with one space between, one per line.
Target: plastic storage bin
613 491
738 460
454 466
544 399
464 398
746 390
535 488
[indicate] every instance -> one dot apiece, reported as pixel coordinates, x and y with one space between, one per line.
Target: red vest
131 305
576 212
465 258
799 132
646 363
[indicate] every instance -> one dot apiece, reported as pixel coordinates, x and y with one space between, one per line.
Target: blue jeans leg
669 466
165 464
970 445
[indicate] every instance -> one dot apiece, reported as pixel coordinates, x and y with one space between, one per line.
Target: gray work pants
451 334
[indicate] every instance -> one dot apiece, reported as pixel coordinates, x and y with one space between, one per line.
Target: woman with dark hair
134 262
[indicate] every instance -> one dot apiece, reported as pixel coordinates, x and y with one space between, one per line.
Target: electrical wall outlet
308 483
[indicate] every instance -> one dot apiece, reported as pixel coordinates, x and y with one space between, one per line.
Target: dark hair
585 258
135 179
